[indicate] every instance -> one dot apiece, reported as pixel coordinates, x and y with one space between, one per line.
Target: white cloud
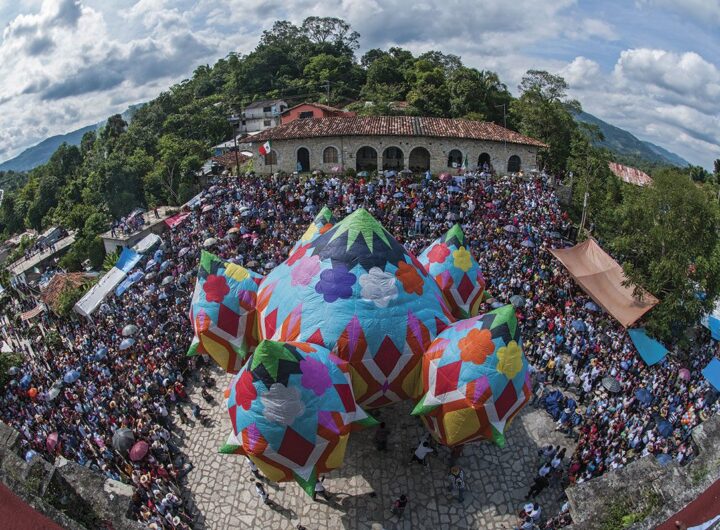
671 99
705 12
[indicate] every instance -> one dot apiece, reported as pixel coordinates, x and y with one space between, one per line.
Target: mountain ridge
627 145
41 152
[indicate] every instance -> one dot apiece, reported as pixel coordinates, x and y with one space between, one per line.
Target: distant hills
39 154
628 146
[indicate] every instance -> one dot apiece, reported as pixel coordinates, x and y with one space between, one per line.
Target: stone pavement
222 487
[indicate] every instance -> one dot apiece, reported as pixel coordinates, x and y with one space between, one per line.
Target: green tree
667 234
429 95
543 111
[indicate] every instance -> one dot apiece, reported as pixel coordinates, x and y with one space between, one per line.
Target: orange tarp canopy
602 278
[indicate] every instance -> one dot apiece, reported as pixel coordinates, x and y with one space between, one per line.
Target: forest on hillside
154 159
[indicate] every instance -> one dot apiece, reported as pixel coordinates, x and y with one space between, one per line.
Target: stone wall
644 490
73 496
439 149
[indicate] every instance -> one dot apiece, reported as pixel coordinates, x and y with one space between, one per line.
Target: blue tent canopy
712 373
649 349
127 260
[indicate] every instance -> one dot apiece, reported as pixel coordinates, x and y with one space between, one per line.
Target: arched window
483 159
330 155
271 158
419 160
455 158
366 159
513 164
393 158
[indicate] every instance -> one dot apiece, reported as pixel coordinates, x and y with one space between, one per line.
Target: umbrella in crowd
208 207
512 229
167 280
71 376
454 189
252 264
210 241
150 264
363 174
611 384
517 301
578 325
165 265
126 343
527 243
399 195
644 396
158 255
184 251
233 230
101 353
51 442
591 306
129 330
136 276
684 374
53 393
139 450
13 370
445 176
554 235
664 428
150 276
123 440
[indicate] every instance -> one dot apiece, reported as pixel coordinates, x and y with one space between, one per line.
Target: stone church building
392 142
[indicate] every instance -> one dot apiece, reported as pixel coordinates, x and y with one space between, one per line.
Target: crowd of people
510 224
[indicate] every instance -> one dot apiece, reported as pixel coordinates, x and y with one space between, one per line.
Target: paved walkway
222 487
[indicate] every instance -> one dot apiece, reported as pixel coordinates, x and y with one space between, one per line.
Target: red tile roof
393 126
227 160
630 174
321 106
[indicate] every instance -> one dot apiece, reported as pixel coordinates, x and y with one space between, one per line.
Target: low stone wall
72 495
644 494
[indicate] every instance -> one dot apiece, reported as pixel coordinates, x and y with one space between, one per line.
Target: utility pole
235 121
326 86
504 107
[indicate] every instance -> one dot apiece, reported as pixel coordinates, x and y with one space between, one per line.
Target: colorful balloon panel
292 408
456 271
323 221
475 379
222 312
356 291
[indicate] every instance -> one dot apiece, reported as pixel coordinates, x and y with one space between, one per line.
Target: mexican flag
265 148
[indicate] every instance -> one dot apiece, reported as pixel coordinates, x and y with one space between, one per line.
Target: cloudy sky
649 66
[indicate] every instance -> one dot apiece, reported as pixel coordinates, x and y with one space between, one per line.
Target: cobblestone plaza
222 487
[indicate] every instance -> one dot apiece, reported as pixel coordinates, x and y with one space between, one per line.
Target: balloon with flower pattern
222 312
356 291
292 409
448 260
475 379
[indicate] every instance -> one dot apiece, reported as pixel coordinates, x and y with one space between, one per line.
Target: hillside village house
261 115
305 111
392 143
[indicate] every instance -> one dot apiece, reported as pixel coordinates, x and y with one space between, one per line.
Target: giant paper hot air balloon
475 378
292 408
323 222
222 312
456 271
356 291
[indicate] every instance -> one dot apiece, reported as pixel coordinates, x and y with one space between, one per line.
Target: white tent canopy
94 297
146 243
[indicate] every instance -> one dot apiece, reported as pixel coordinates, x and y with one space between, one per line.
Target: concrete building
305 111
393 142
117 240
261 115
